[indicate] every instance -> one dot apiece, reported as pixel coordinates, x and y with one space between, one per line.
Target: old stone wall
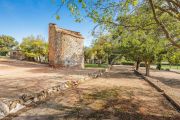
65 48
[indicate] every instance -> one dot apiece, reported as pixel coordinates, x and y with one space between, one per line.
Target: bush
127 63
167 69
2 53
96 65
142 65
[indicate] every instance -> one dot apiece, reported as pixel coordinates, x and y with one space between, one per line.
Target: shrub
167 69
142 65
127 63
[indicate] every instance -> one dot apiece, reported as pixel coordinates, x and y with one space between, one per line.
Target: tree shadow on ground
166 77
120 75
114 104
124 71
173 71
175 83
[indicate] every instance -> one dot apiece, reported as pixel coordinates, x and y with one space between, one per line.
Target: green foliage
103 49
140 32
98 49
57 17
127 63
96 66
141 46
111 14
34 47
173 55
6 44
87 53
175 67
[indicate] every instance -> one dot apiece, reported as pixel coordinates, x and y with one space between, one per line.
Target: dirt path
120 95
22 77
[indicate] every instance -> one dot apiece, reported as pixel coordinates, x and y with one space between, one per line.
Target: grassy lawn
95 65
4 57
176 67
164 67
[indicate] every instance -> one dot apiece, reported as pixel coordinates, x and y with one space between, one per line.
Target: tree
6 44
173 56
165 13
130 47
170 7
103 48
156 20
108 49
87 53
141 46
34 48
98 50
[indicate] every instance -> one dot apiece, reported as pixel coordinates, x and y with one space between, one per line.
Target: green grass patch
96 66
176 67
127 63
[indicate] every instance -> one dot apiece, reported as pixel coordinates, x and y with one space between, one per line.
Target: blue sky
21 18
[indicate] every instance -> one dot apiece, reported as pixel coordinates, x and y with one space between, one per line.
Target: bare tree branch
170 13
168 36
174 8
175 3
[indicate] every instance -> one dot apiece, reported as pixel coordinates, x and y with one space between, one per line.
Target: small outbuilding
66 47
16 54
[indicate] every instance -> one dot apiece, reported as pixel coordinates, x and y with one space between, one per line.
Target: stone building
65 48
17 54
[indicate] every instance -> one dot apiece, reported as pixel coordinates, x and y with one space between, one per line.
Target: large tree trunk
147 68
137 65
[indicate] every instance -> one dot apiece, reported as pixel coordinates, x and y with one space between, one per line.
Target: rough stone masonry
65 48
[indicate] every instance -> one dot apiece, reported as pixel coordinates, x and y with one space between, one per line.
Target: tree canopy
34 47
143 30
6 44
110 13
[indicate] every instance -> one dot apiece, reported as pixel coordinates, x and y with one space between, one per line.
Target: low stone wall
12 106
